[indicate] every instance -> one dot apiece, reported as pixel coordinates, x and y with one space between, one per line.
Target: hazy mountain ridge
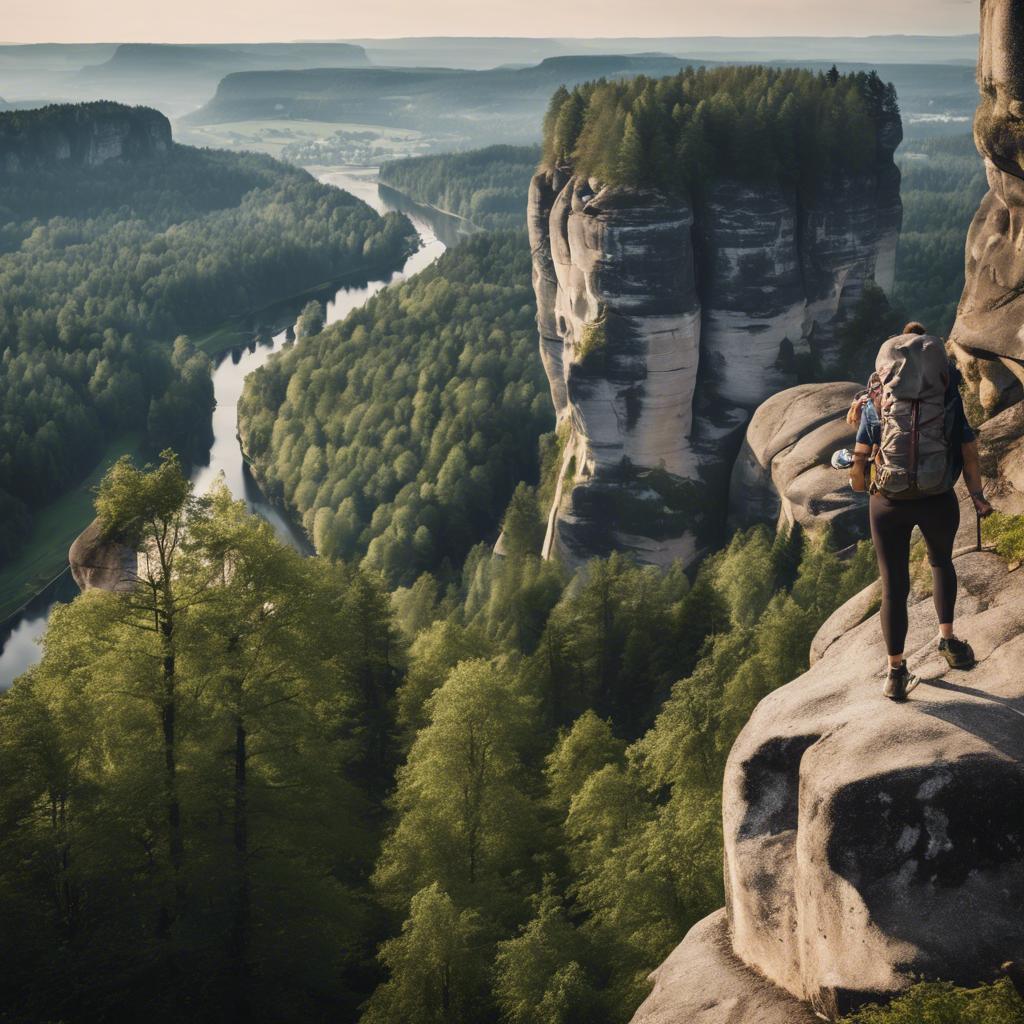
502 104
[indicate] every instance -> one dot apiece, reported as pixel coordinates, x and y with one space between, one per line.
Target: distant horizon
229 41
198 22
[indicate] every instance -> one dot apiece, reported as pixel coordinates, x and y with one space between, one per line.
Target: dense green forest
487 186
943 183
199 773
400 433
102 267
683 132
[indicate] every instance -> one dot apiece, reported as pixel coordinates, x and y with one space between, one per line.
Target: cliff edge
86 134
867 843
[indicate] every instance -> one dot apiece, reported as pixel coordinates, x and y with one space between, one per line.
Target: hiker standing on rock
913 430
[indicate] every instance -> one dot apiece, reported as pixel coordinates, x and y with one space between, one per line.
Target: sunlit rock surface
782 475
102 563
989 329
703 982
663 327
869 843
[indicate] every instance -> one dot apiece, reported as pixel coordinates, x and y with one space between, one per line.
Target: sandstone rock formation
782 474
869 843
102 563
88 134
664 325
988 335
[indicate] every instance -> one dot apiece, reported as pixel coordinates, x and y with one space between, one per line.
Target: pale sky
255 20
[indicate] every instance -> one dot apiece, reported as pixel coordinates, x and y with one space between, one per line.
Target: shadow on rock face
999 719
772 787
935 853
870 843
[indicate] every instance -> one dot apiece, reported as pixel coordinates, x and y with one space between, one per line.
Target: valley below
20 632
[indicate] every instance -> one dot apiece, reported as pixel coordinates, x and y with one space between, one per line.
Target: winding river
20 647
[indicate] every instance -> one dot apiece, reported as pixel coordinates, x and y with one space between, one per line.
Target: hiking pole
977 516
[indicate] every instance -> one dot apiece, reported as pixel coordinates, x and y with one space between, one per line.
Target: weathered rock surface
782 474
870 843
867 842
87 134
989 329
657 367
703 982
1001 450
101 563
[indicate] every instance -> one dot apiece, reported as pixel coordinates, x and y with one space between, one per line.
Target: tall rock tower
989 332
667 318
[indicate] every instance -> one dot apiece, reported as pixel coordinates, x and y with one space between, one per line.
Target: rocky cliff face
869 843
989 330
663 325
88 134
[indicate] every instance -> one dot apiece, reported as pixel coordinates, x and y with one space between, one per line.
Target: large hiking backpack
914 459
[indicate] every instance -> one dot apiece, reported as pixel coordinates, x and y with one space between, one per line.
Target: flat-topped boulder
870 843
100 562
783 474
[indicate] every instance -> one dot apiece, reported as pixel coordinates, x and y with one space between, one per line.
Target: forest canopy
101 268
760 124
254 771
400 433
487 186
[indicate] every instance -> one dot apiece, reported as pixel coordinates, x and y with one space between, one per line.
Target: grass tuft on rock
1006 534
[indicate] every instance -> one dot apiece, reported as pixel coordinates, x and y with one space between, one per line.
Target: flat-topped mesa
988 336
667 315
87 134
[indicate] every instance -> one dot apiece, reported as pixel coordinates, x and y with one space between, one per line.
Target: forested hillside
487 186
411 780
399 434
207 799
102 266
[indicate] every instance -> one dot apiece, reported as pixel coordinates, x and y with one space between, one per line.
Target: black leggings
892 522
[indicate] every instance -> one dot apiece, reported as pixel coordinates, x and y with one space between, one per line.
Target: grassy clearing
46 551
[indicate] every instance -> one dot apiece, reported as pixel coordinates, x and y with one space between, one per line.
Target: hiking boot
898 683
958 653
